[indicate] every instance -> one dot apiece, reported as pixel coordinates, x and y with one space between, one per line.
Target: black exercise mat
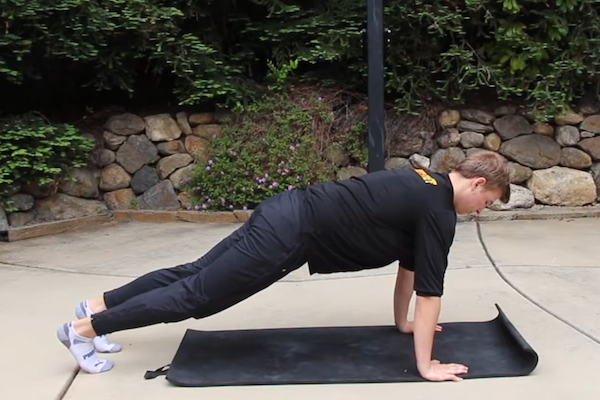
358 354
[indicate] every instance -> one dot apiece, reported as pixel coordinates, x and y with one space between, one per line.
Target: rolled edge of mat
533 357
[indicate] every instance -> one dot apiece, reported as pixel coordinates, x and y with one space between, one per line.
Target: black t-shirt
379 218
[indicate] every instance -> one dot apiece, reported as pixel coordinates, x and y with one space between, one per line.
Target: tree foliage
545 51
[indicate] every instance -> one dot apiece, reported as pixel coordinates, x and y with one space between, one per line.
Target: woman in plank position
360 223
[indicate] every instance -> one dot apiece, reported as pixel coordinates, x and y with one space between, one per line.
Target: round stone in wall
208 131
125 124
112 141
591 146
542 128
520 197
471 139
449 118
567 135
470 126
162 127
575 158
443 160
170 148
122 199
137 151
568 117
114 177
492 142
18 219
159 197
534 151
480 116
198 148
167 165
518 173
145 178
560 186
181 177
511 126
591 124
449 138
182 121
201 118
586 134
595 171
105 157
397 163
81 182
419 161
21 201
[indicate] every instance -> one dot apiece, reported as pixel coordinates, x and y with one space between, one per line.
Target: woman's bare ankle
97 305
84 327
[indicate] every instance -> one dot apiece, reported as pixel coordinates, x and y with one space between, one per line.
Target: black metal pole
376 85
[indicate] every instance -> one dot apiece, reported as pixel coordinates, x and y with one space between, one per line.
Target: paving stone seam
525 295
67 385
58 270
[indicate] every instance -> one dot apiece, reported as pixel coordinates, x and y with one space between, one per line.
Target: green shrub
274 146
542 52
34 151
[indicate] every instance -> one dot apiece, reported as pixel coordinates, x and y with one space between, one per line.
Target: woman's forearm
402 295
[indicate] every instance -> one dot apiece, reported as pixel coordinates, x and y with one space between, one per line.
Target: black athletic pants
265 249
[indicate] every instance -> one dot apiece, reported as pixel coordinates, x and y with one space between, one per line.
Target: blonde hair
489 165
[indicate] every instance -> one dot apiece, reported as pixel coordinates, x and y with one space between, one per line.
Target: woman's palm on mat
444 372
409 327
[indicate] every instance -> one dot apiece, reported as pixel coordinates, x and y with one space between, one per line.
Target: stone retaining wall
138 163
141 163
551 163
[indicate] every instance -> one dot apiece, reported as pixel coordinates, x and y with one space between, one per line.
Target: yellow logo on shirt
426 177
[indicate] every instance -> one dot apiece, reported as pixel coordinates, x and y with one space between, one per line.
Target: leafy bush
275 145
107 44
543 52
34 151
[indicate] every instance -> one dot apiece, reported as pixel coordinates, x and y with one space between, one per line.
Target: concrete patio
544 274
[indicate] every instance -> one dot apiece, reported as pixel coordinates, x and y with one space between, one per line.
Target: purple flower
245 208
210 161
231 206
208 168
292 148
275 184
290 187
204 206
197 207
320 98
266 175
286 170
189 207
